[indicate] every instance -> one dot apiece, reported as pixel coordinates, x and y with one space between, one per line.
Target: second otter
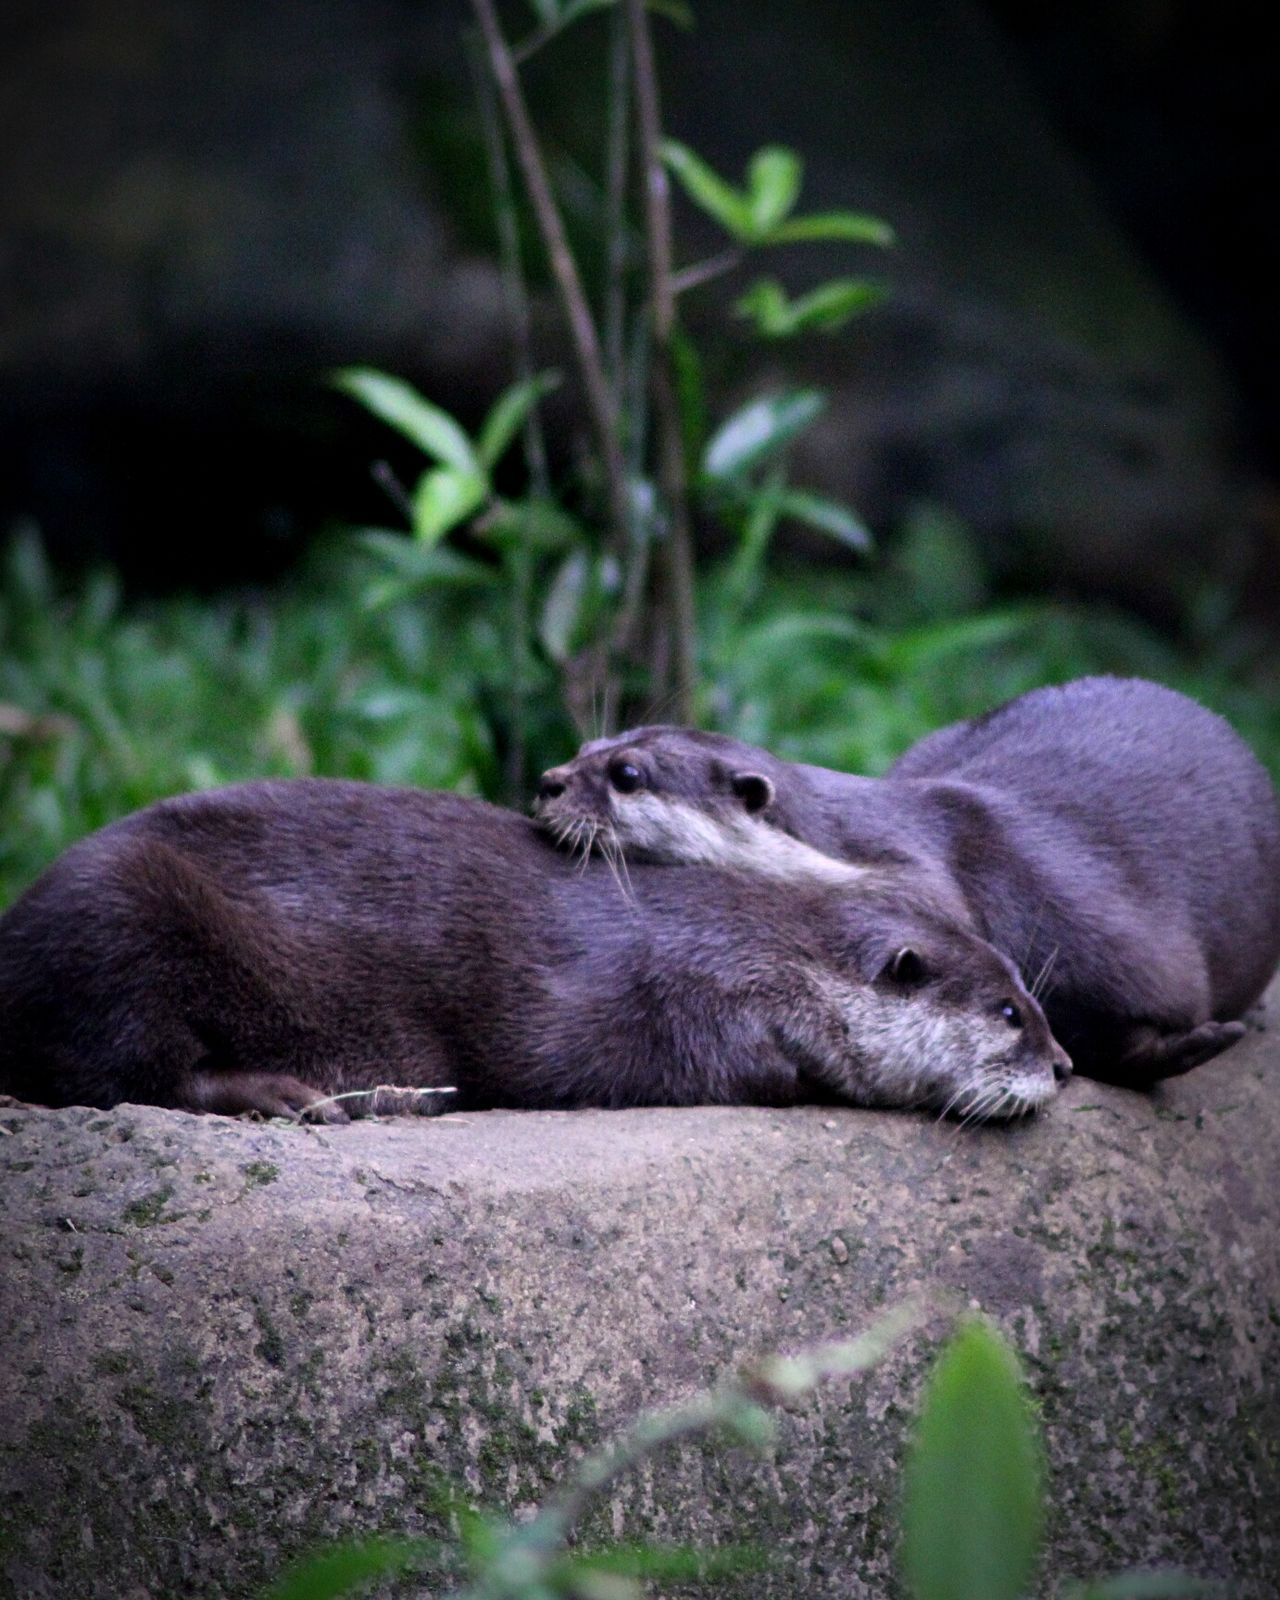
1119 842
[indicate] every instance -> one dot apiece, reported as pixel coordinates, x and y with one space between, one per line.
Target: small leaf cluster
760 213
741 481
460 483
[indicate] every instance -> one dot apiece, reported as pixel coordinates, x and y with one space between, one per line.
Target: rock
228 1340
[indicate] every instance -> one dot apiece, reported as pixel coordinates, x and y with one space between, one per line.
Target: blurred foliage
972 1501
106 706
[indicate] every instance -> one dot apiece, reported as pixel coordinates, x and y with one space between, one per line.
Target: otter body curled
1116 840
271 945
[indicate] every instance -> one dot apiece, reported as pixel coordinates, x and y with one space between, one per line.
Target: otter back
1114 838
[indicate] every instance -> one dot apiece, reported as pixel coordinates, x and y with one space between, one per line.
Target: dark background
206 207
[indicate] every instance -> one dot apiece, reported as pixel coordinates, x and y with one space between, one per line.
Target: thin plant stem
515 292
635 572
677 547
564 268
736 1404
514 286
616 164
700 272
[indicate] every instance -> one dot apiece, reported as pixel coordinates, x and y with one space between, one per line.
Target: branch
616 164
704 271
515 290
677 548
582 329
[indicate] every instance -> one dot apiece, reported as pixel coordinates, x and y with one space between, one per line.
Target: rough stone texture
223 1340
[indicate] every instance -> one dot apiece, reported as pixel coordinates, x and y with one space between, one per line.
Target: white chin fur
894 1050
675 831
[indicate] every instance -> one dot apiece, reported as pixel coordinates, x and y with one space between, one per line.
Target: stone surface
223 1340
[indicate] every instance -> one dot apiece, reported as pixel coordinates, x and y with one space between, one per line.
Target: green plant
532 1560
972 1501
107 705
599 568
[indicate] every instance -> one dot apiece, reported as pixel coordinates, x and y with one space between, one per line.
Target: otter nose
1062 1067
551 784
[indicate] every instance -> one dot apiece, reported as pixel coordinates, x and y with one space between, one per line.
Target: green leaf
709 191
770 639
972 1506
444 498
691 393
344 1568
564 606
765 302
401 406
418 563
546 11
827 516
759 430
508 416
825 308
672 1563
534 524
912 650
854 226
742 579
773 186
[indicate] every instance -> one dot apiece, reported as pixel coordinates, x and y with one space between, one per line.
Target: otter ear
905 966
753 789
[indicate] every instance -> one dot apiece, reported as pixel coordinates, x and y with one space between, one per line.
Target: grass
107 705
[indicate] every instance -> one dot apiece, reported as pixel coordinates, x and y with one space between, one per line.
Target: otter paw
1170 1055
269 1094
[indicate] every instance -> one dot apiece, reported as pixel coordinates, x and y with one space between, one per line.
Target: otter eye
1011 1014
625 778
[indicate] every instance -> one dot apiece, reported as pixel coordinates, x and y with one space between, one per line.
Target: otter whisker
1042 977
586 840
573 837
619 856
617 864
984 1100
1032 934
951 1100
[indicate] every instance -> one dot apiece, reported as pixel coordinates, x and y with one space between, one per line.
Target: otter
1116 840
268 946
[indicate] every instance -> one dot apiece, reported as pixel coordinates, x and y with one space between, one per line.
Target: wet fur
266 946
1117 840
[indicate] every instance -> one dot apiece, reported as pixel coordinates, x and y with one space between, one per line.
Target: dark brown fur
1117 840
256 947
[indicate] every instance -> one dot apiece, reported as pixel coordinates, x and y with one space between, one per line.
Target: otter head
677 795
933 1017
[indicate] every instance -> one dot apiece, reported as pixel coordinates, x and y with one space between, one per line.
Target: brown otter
264 946
1119 842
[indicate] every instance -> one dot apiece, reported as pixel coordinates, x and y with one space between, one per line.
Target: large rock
226 1340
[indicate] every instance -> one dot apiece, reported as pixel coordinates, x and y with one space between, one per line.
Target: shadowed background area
207 206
